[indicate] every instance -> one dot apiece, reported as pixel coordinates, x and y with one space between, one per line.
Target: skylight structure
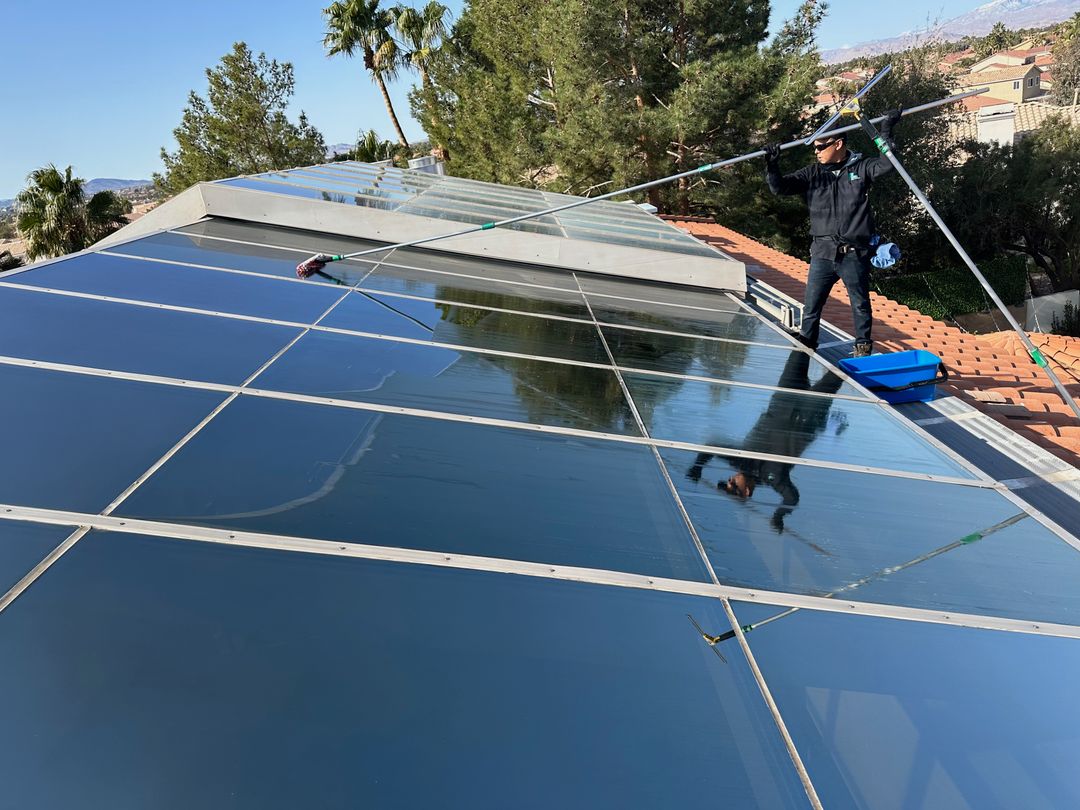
443 529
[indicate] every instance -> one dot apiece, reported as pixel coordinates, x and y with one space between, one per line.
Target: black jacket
837 197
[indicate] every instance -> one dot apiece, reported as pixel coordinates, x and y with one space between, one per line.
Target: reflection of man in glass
786 428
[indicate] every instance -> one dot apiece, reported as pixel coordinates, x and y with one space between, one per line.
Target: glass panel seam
656 453
781 599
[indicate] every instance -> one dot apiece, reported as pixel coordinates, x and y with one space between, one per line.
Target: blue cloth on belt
886 255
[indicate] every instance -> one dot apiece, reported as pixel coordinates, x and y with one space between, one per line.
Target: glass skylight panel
720 360
451 381
692 322
77 441
467 326
784 423
475 203
871 538
291 678
339 474
180 285
889 713
23 545
188 246
143 340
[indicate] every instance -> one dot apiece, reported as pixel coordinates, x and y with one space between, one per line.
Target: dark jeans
824 273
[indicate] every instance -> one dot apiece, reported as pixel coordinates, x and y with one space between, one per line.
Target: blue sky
101 85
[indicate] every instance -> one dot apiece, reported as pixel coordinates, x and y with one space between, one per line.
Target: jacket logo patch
852 176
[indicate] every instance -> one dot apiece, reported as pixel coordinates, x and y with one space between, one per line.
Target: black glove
772 152
891 117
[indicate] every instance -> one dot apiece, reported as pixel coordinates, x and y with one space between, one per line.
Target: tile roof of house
1040 61
990 76
1029 116
991 372
972 103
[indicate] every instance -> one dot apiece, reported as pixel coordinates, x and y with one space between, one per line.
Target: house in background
1016 84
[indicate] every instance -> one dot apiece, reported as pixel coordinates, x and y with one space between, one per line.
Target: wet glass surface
641 315
873 538
292 680
402 259
785 423
719 359
76 442
903 714
437 379
600 289
178 285
127 337
477 291
468 326
23 545
185 247
340 474
464 217
610 236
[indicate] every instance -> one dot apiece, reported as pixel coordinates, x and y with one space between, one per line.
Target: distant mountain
92 187
339 149
1013 13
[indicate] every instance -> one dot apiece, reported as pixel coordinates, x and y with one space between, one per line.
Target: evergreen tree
55 217
1066 68
241 126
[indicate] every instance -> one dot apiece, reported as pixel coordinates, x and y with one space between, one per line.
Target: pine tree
241 126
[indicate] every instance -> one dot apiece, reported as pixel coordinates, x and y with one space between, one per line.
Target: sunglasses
821 147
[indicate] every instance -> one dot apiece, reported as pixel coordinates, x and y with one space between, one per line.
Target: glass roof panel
480 197
785 423
82 440
721 360
369 684
340 474
477 291
600 289
873 538
437 379
893 713
692 322
467 326
179 285
144 340
23 545
191 248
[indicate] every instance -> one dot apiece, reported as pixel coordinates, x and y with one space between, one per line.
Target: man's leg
855 272
819 282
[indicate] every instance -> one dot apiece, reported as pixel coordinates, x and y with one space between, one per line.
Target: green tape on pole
337 258
704 168
881 145
1036 355
487 226
971 538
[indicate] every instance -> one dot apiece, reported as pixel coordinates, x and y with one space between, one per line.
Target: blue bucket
910 376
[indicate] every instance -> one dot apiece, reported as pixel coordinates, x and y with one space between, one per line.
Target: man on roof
841 224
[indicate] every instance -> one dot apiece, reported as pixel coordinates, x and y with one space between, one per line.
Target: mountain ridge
1012 13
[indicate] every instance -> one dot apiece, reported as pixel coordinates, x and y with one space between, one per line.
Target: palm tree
55 218
422 31
360 25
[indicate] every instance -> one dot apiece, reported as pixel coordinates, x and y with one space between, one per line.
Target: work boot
805 341
864 348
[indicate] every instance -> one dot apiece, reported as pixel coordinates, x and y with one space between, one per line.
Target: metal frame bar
334 548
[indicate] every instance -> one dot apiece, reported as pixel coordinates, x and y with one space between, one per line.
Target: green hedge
943 294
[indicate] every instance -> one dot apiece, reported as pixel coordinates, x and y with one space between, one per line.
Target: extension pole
876 575
1032 350
319 261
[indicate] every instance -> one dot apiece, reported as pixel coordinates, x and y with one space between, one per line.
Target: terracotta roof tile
995 363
